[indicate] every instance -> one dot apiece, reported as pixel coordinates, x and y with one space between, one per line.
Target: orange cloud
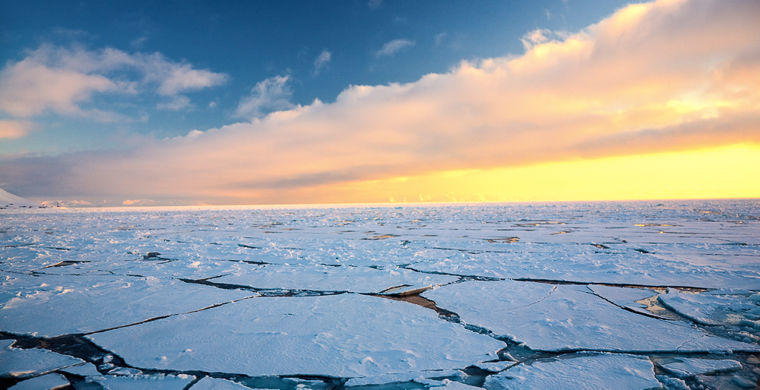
653 77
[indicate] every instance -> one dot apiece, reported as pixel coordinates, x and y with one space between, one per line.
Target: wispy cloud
62 79
393 47
322 60
268 95
667 75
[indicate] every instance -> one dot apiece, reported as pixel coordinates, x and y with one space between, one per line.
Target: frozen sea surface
572 295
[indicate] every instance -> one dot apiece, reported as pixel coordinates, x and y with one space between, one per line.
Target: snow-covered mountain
8 200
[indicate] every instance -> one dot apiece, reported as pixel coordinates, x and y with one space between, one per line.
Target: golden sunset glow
727 172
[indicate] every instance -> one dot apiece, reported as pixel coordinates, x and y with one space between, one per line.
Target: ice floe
15 362
579 372
339 335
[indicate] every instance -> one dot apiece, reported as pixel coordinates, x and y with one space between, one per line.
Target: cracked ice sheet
624 296
597 371
340 335
16 362
719 307
321 277
564 317
53 305
585 263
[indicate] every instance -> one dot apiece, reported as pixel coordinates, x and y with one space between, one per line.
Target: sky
143 103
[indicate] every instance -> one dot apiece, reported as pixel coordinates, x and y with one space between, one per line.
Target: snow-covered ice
15 362
338 335
157 382
686 367
411 296
581 372
209 383
51 381
560 317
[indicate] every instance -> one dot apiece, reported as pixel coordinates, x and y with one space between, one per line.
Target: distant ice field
636 294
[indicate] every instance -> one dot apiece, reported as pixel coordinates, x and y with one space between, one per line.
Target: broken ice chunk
209 383
719 307
598 371
413 376
157 382
48 381
688 367
86 369
15 362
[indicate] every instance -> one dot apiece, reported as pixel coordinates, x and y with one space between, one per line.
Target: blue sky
248 42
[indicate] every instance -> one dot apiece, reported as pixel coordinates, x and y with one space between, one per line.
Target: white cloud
62 79
10 129
268 95
374 4
393 47
28 88
668 75
321 61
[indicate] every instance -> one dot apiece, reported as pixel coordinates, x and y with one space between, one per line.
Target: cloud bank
667 75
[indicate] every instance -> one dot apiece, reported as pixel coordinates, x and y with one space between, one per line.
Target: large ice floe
573 295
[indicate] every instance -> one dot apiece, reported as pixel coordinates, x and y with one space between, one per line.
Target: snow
242 290
303 336
565 317
721 307
157 382
209 383
86 369
48 381
686 367
16 362
583 372
8 200
413 376
52 305
327 278
624 296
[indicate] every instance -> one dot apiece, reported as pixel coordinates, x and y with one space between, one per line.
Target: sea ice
16 362
719 307
153 382
209 383
683 367
52 305
326 278
341 335
48 381
597 371
624 296
556 318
